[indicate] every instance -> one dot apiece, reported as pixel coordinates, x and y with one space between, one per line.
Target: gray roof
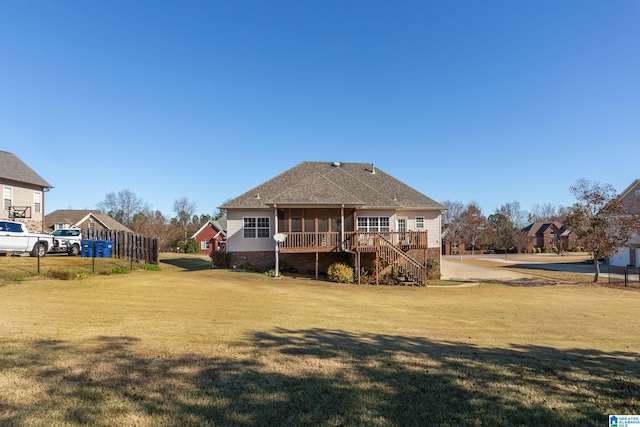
220 224
14 169
326 183
74 216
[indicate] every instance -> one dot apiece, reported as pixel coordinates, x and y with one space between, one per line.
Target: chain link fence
17 267
626 276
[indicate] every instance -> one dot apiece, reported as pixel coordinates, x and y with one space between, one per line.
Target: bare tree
156 225
451 231
601 220
123 206
547 213
184 210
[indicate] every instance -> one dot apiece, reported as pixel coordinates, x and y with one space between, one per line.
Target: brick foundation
306 263
302 263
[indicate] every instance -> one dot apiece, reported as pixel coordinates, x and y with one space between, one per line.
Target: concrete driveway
456 269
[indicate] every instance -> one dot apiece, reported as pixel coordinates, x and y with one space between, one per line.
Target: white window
204 245
256 228
37 200
7 198
637 192
373 223
419 222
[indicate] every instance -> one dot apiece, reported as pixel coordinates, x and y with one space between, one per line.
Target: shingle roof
14 169
326 183
540 227
74 216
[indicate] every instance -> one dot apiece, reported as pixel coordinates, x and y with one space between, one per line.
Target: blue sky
486 101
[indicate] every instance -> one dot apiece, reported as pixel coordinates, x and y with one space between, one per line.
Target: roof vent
257 196
336 164
373 168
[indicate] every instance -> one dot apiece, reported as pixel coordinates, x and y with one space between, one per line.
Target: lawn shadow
317 377
188 264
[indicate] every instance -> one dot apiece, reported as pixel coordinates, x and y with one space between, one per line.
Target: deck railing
353 240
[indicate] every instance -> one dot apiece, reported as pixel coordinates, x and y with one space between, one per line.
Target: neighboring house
85 219
320 212
452 246
22 192
550 235
629 255
212 236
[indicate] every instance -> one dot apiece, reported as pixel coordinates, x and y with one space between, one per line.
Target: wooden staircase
396 257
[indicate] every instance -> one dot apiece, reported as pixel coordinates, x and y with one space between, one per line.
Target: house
317 213
23 192
629 255
550 236
85 219
212 236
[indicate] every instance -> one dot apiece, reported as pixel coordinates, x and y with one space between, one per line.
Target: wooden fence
127 245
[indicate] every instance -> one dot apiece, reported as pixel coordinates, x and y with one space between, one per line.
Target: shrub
119 270
150 267
245 266
191 247
271 272
82 274
433 269
340 272
219 259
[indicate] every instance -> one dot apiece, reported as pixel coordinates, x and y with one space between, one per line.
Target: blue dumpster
102 248
96 248
86 248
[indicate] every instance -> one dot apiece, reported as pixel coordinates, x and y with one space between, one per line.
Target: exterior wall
306 263
461 250
431 221
621 258
631 201
205 235
22 196
32 226
261 260
87 223
235 235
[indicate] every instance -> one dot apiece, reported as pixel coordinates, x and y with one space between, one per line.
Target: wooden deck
358 241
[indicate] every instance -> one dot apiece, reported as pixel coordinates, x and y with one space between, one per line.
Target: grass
191 345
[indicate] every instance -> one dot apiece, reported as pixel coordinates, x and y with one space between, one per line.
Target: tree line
501 230
601 219
173 233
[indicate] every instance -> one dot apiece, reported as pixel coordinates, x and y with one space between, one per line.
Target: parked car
66 240
16 238
490 251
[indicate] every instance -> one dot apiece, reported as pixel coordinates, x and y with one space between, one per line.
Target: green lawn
190 345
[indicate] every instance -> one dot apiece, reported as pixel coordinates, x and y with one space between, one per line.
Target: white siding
235 235
22 197
431 224
620 258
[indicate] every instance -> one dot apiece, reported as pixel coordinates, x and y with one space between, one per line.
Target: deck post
317 265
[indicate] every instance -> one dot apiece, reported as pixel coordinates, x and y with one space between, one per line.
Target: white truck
66 240
15 238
